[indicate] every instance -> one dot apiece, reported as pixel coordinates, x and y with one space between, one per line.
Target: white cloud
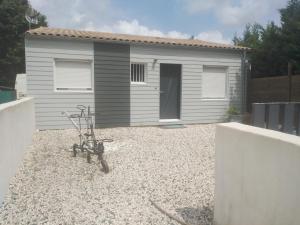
134 27
177 34
247 11
230 12
72 14
100 15
213 36
90 26
78 17
38 3
195 6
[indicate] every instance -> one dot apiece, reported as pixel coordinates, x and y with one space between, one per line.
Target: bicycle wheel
104 166
74 150
88 157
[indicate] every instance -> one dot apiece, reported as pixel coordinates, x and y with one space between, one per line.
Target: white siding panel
40 55
194 108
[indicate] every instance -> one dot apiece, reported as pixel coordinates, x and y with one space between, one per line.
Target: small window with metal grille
137 73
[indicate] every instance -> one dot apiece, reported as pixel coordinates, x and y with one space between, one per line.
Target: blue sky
212 20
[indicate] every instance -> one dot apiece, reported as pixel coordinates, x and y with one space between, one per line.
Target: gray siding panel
112 84
40 54
194 109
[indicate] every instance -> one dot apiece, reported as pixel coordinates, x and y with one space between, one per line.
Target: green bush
233 111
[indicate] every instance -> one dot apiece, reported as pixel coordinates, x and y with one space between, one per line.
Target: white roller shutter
73 75
214 82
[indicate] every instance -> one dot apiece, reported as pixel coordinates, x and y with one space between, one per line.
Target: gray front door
170 82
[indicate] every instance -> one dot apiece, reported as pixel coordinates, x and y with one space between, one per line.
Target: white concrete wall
17 125
257 176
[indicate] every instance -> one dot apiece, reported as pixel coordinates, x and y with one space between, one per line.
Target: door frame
180 94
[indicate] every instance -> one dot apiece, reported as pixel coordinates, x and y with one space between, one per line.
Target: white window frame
73 90
145 74
225 98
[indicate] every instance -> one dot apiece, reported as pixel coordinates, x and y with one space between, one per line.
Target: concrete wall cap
263 132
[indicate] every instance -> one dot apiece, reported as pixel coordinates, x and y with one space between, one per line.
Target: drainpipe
290 80
244 81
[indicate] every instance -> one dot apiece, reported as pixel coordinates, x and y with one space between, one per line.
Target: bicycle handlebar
81 107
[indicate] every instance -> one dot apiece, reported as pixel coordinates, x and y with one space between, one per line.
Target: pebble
173 167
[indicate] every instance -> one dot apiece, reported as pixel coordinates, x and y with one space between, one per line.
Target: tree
252 38
274 46
13 26
290 23
273 62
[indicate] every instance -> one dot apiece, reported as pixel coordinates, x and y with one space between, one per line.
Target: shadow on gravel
196 216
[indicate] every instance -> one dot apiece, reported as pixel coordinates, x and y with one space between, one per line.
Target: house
131 80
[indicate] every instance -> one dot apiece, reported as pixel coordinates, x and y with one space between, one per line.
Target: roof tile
46 31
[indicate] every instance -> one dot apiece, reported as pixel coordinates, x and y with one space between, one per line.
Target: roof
127 38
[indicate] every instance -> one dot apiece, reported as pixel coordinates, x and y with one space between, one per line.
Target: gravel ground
173 167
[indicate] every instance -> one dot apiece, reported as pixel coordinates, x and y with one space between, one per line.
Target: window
137 73
73 75
214 82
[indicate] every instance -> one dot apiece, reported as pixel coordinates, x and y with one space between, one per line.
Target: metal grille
137 73
280 116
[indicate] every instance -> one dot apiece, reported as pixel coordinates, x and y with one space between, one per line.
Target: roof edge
126 38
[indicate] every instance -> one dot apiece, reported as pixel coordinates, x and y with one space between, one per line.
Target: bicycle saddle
75 116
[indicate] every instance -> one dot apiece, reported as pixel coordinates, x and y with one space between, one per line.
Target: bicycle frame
88 141
68 115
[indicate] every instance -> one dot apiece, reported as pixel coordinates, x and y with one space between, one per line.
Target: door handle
161 92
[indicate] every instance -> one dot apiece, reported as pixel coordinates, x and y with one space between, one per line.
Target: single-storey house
131 80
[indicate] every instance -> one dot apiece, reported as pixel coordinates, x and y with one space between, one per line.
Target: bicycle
87 141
